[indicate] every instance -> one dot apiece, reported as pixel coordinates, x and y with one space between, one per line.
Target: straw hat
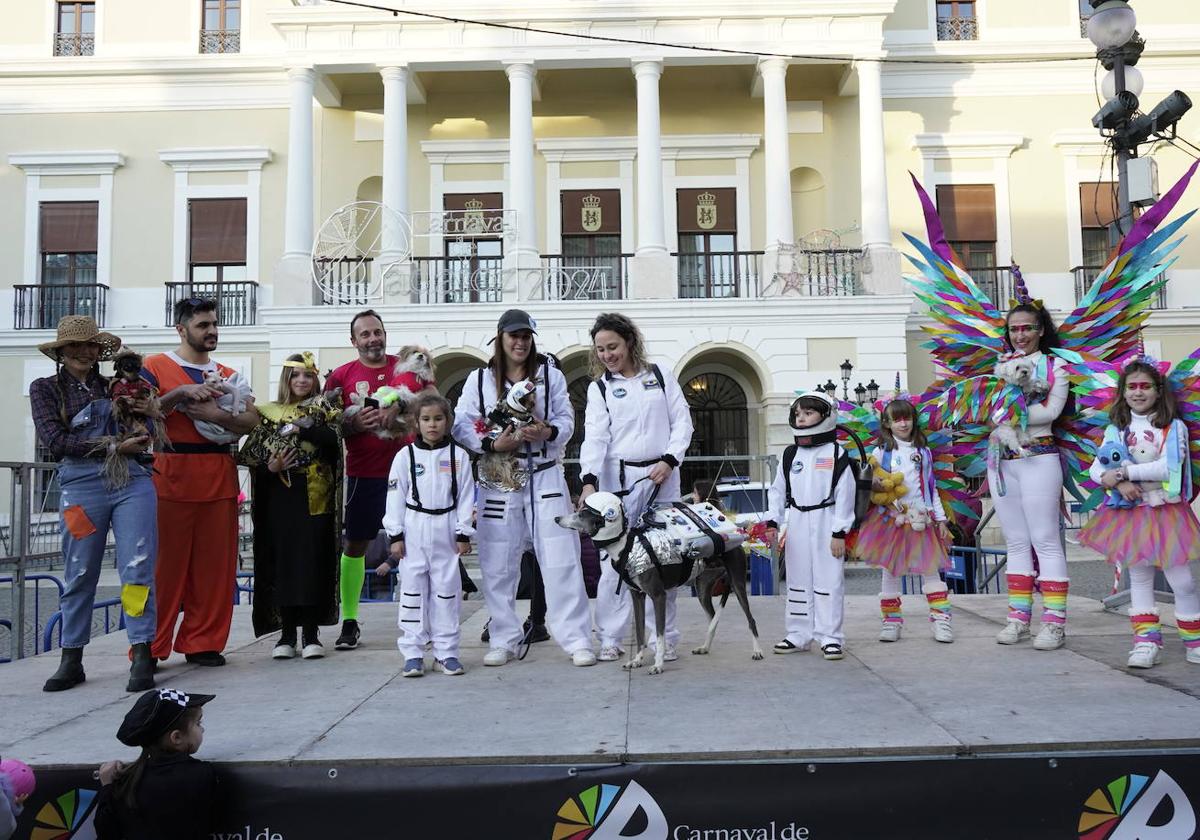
81 328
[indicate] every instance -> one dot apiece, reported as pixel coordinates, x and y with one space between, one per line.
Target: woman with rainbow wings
971 336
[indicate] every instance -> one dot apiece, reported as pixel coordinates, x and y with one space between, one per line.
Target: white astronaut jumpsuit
814 576
431 514
506 522
629 428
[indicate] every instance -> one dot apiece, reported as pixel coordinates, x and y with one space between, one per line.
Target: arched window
577 393
720 417
455 391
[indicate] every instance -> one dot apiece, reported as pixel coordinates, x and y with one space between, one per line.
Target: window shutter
968 212
218 230
69 227
1098 204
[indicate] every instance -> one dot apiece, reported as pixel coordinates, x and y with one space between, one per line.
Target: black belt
543 467
622 464
199 449
429 511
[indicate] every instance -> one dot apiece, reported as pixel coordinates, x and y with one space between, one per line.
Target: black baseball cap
154 713
515 320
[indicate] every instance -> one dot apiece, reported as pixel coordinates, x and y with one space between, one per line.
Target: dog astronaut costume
508 520
631 425
804 501
430 502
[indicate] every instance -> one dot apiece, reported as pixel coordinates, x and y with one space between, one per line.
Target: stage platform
905 704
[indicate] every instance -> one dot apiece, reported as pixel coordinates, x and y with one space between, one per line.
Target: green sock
353 573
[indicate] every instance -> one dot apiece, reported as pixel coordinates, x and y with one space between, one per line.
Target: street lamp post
860 394
846 369
872 390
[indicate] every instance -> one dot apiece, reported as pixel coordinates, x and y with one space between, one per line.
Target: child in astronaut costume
507 521
430 501
1159 530
816 517
636 421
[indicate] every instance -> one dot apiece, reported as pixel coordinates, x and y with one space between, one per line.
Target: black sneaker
207 658
349 638
535 632
831 651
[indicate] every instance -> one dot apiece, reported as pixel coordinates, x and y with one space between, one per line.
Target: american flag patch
444 466
823 464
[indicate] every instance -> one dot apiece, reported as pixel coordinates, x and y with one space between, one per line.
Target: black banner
1088 798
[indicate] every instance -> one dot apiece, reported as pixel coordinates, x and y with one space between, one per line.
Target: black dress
179 797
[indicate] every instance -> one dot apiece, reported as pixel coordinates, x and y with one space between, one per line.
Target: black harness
415 504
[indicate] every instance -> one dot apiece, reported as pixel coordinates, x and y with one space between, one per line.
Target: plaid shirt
46 403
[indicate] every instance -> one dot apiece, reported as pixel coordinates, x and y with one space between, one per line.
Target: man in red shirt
368 456
197 486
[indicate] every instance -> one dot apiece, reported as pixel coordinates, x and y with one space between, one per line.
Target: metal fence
40 306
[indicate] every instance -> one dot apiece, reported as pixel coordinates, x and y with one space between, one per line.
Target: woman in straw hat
73 416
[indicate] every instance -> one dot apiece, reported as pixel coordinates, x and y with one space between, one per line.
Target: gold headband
1036 303
309 363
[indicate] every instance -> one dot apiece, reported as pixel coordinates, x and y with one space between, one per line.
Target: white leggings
1141 589
1029 514
890 586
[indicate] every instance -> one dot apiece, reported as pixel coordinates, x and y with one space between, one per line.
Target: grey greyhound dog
652 557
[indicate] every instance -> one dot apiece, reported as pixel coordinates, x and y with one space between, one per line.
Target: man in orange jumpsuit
197 486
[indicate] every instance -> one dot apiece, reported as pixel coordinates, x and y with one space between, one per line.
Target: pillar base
652 276
881 271
293 281
524 278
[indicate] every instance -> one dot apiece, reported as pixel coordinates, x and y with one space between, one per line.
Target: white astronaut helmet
518 392
819 401
608 507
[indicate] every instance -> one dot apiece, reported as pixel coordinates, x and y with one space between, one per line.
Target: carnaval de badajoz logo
1137 807
629 812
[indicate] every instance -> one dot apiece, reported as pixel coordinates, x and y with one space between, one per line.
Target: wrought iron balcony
237 300
718 274
833 272
220 40
346 281
457 279
958 29
1085 275
996 283
74 43
585 278
40 307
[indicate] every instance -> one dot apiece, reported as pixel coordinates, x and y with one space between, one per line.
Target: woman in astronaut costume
506 521
637 426
816 516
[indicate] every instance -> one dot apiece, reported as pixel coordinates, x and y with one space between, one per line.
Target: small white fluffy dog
1020 371
235 393
413 358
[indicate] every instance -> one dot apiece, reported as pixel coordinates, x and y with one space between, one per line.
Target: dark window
709 264
721 421
221 29
956 20
968 212
67 234
472 268
1097 210
591 242
75 29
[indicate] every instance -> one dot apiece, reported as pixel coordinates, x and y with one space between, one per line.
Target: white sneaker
497 657
610 653
670 654
1144 655
316 650
283 651
890 631
1050 637
1193 656
942 631
1013 632
583 657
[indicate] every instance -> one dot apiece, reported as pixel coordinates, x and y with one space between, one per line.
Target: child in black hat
166 792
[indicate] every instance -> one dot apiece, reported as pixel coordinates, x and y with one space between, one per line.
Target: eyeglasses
1139 386
1021 329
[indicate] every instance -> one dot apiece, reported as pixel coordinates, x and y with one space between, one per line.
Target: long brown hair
900 410
284 396
634 343
128 780
532 362
1164 410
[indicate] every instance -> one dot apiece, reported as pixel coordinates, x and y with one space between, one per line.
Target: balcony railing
995 282
825 273
237 301
457 279
1085 275
718 274
41 307
220 40
958 29
585 278
74 43
345 282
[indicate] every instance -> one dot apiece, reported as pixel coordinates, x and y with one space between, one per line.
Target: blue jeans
88 510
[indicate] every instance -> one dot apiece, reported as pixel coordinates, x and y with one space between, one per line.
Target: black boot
141 672
69 673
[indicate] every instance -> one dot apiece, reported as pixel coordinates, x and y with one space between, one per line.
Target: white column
298 209
652 240
881 261
394 238
520 159
778 161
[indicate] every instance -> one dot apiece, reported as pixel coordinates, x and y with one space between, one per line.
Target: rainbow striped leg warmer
939 604
890 609
1189 631
1054 601
1146 627
1020 598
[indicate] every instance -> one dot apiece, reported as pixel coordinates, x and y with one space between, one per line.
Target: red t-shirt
367 455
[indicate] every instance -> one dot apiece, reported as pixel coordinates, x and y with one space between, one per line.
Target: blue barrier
37 603
56 622
974 570
762 581
4 622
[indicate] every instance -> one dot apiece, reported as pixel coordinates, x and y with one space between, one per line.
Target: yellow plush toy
888 487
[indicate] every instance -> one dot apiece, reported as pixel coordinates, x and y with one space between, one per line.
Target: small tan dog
412 358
